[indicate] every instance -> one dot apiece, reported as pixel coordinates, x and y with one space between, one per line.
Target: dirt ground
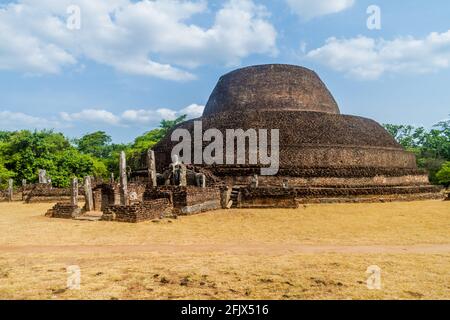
314 252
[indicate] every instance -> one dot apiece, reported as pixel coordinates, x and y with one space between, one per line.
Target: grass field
314 252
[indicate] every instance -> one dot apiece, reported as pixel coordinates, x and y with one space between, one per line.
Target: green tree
168 125
443 175
135 152
112 162
409 137
71 163
97 144
151 138
25 152
147 140
5 136
444 128
5 175
432 147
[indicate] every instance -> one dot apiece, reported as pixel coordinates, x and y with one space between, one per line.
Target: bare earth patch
315 252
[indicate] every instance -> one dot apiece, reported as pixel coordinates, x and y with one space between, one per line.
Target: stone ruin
180 191
40 192
324 157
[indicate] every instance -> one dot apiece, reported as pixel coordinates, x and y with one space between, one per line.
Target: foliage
432 147
23 153
167 125
96 144
5 175
443 176
151 138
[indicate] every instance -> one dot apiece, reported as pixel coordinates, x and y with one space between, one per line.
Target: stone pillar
43 177
111 178
151 165
88 194
123 179
255 181
224 197
200 180
183 175
74 193
10 190
116 190
203 181
24 186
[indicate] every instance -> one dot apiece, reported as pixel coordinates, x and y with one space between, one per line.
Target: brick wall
3 195
45 193
274 197
138 189
183 196
17 195
199 195
139 212
64 210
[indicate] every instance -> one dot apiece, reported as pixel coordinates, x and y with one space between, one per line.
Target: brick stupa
323 154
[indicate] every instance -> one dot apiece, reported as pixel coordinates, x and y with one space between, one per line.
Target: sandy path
269 249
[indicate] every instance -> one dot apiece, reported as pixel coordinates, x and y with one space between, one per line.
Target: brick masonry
64 211
318 147
150 203
139 212
272 197
285 86
187 200
37 193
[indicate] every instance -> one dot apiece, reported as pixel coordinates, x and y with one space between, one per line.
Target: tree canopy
23 153
432 147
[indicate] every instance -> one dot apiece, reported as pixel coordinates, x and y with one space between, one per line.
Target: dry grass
338 224
217 276
225 274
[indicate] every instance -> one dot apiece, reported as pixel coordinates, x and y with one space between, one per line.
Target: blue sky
132 63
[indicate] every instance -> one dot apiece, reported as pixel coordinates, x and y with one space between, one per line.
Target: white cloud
139 116
130 117
193 111
368 58
91 115
150 38
309 9
18 120
167 114
146 118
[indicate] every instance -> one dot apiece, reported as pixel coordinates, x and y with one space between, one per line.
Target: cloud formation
150 38
309 9
10 120
130 117
91 115
19 120
368 58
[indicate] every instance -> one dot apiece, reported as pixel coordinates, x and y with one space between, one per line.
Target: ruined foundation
323 157
322 152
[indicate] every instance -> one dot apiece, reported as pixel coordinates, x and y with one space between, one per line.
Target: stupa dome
271 87
318 146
